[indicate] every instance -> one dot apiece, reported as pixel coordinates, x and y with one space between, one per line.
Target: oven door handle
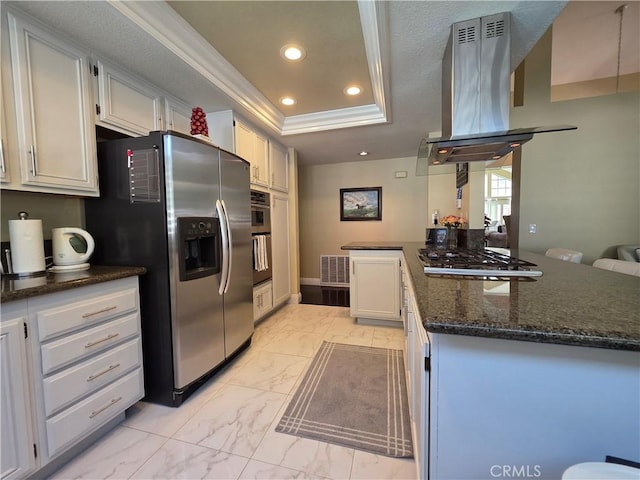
225 247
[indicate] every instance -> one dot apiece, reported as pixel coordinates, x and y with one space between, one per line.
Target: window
500 186
497 195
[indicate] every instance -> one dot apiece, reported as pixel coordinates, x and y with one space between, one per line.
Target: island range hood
476 78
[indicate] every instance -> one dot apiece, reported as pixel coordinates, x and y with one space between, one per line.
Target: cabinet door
420 393
126 104
262 300
375 288
278 159
4 169
280 248
15 406
52 88
177 115
260 159
244 143
254 148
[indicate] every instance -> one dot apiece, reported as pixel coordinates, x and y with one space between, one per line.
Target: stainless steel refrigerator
180 207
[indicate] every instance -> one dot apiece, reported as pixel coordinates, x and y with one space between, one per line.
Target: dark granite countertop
16 289
571 304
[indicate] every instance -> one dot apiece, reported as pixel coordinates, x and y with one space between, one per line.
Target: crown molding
333 119
373 18
160 21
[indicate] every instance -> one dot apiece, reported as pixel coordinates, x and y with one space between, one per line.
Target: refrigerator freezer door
197 324
238 299
224 235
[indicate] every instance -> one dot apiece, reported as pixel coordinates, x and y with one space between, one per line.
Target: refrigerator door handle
225 247
229 248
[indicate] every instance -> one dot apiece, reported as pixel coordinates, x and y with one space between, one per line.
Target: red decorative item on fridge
199 122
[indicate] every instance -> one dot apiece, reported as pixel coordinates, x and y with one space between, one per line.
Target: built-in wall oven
261 235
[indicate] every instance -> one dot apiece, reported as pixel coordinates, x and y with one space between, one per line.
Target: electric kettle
72 247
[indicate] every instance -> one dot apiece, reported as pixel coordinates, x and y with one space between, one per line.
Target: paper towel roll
27 246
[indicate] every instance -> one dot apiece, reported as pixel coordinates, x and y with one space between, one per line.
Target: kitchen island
520 376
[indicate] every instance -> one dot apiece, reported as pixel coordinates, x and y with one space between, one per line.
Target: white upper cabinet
253 147
4 168
234 134
177 115
126 103
49 134
244 142
279 160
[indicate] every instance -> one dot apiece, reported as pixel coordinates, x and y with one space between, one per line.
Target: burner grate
475 263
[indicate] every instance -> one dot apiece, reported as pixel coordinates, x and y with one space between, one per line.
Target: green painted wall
54 210
404 213
581 188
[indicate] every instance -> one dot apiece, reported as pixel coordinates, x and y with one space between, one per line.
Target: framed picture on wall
462 174
361 203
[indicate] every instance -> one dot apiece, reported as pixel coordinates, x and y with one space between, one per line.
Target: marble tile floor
226 430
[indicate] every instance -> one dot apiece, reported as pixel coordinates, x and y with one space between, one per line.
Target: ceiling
393 49
329 31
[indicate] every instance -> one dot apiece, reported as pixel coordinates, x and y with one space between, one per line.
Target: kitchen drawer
77 346
73 423
67 386
72 316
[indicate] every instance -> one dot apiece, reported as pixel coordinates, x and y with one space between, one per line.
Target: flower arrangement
452 221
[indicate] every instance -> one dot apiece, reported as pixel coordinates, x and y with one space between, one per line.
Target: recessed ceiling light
292 53
353 90
363 153
288 101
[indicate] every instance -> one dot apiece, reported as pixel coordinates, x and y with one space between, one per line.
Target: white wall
404 214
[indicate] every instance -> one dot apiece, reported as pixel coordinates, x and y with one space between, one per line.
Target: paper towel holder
10 273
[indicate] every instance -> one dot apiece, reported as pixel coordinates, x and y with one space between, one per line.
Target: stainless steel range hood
476 75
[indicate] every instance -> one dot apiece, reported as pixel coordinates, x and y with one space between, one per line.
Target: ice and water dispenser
200 244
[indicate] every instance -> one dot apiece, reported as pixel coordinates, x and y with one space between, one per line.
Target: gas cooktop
474 263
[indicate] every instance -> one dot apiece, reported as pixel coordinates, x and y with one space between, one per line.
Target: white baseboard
296 298
309 281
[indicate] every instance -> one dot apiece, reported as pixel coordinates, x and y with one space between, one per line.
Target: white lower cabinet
18 445
65 387
417 363
71 362
374 286
87 359
262 300
64 429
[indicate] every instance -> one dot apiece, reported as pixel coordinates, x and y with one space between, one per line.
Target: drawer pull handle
107 370
87 315
98 412
108 337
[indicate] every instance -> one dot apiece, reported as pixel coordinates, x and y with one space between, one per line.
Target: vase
452 238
